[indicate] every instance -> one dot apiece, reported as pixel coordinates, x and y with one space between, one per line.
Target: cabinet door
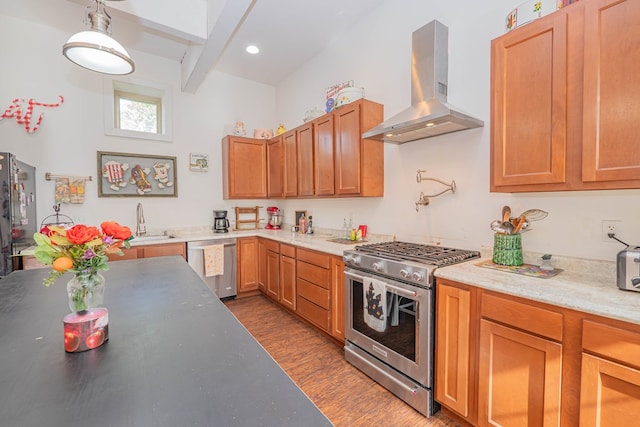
275 167
323 153
453 326
290 164
165 249
305 160
337 298
244 168
348 138
288 282
529 104
273 275
519 378
610 393
248 264
611 91
262 266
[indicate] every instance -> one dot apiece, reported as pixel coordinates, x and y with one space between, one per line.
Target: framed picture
300 214
136 175
198 162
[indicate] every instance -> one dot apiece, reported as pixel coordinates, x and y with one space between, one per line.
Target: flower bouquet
84 251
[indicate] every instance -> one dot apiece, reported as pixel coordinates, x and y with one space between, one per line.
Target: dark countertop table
176 356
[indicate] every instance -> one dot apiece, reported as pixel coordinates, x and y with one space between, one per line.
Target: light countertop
584 285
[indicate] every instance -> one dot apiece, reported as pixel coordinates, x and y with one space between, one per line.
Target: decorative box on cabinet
561 116
244 167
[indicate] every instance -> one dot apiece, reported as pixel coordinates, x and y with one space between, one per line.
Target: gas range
411 262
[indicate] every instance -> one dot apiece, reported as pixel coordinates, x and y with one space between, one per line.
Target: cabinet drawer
315 258
288 250
312 273
537 320
272 246
313 313
611 342
315 294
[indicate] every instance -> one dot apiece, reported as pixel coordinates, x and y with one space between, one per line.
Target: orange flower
80 234
115 230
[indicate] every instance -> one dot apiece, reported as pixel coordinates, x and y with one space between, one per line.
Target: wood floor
316 364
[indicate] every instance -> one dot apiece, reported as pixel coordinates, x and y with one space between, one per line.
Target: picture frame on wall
198 162
136 175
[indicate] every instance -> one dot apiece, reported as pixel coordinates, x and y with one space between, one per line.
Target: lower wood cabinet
454 385
247 257
610 391
288 276
508 361
150 251
519 378
307 282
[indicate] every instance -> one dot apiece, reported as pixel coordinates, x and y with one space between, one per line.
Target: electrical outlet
610 226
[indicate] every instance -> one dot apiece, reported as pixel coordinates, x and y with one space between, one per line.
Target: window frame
142 90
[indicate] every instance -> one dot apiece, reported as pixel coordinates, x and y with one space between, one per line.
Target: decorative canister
507 249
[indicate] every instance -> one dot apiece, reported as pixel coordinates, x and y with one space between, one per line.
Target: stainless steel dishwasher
224 286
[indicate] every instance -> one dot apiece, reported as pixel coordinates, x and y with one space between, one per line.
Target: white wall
32 66
376 55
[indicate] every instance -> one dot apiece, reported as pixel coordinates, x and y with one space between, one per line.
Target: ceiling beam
199 60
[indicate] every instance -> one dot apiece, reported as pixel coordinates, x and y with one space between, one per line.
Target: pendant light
94 49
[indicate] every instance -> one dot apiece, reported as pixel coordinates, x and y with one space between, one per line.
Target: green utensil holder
507 249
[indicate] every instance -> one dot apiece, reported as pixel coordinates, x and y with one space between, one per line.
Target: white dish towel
213 260
375 304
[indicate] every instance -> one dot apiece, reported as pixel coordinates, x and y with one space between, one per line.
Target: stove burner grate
426 254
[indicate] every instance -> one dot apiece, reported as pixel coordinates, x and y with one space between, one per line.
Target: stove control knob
378 266
405 273
417 276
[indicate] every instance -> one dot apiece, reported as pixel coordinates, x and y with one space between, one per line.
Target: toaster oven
628 269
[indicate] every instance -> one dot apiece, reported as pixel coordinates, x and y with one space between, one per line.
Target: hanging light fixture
94 49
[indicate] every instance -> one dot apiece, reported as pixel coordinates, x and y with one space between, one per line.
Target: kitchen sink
344 241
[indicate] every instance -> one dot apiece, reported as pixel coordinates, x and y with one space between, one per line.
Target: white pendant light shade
95 50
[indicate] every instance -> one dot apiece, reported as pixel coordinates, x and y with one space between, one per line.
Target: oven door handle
401 292
390 288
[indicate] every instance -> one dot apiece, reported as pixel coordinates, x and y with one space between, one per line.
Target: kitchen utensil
506 213
220 222
497 227
275 218
534 214
519 223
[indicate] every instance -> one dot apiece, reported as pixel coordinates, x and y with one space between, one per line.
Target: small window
137 109
138 112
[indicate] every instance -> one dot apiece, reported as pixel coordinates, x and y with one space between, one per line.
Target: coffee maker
220 222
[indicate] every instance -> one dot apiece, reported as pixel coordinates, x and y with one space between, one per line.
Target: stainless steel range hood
429 114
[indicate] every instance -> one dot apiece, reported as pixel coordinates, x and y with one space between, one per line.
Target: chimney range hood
429 114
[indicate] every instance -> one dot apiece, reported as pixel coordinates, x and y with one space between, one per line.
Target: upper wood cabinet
275 167
244 167
323 151
563 117
305 160
359 163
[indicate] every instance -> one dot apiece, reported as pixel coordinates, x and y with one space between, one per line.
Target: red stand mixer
275 218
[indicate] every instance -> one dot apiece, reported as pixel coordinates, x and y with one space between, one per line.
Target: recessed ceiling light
252 49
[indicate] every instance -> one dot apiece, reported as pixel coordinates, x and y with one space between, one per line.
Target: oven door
404 340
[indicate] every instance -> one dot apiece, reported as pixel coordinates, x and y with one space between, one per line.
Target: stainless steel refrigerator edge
18 221
224 286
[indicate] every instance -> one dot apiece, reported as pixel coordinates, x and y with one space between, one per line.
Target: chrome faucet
141 229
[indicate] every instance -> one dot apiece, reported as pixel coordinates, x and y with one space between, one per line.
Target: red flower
46 231
115 230
80 234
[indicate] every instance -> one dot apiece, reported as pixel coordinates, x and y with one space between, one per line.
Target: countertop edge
569 289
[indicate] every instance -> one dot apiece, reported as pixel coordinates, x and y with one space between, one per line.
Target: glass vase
85 290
